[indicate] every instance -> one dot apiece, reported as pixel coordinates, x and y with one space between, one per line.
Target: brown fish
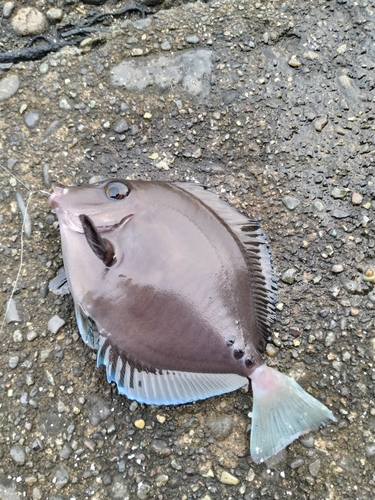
176 291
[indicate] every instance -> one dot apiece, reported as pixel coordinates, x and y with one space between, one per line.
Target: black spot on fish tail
101 247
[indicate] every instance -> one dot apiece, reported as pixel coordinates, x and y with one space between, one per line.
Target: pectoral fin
101 247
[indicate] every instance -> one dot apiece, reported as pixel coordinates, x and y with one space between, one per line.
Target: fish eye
116 190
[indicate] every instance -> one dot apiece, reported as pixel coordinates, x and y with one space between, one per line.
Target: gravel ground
272 106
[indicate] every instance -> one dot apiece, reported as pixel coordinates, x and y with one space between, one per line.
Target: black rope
31 52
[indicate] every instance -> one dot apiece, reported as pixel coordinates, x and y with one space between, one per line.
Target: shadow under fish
176 291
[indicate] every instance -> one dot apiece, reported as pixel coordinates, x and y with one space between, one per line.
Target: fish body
176 291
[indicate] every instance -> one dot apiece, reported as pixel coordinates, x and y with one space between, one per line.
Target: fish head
109 204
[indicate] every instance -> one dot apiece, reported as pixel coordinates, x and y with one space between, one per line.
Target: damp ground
272 107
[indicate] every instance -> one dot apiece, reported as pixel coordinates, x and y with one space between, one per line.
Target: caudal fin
282 411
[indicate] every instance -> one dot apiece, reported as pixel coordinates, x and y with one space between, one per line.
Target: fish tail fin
282 411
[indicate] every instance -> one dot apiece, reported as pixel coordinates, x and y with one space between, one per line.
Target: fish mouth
75 225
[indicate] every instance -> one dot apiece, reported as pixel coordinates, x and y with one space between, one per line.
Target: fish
175 290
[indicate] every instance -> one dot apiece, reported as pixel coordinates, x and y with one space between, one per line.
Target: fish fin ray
166 387
87 327
282 411
256 251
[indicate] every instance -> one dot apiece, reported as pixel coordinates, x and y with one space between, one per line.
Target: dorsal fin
253 243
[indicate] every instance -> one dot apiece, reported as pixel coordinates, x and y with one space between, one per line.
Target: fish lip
58 190
75 225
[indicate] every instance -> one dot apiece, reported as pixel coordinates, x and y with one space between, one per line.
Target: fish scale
176 291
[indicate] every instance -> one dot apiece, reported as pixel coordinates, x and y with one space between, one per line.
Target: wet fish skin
186 306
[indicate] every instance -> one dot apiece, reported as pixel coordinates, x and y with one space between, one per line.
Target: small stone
61 477
29 21
55 323
161 480
250 475
271 350
221 426
18 454
330 339
120 126
17 336
8 9
337 268
340 214
55 14
192 39
143 490
307 441
137 52
63 104
8 86
289 276
297 463
147 116
318 205
161 448
140 423
290 202
339 193
31 119
165 46
227 478
320 123
370 450
13 361
160 418
357 198
314 468
12 315
133 406
294 62
66 451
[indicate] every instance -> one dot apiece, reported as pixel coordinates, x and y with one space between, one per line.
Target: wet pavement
272 106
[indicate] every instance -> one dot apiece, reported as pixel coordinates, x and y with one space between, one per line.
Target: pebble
9 85
140 423
13 361
320 123
227 478
221 426
307 441
121 126
340 214
143 489
161 448
8 9
370 450
297 463
338 193
289 276
61 476
271 350
31 119
160 418
55 14
29 21
165 46
290 202
318 205
314 467
12 315
357 198
161 480
55 323
294 62
18 454
133 406
330 339
337 268
137 52
192 39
